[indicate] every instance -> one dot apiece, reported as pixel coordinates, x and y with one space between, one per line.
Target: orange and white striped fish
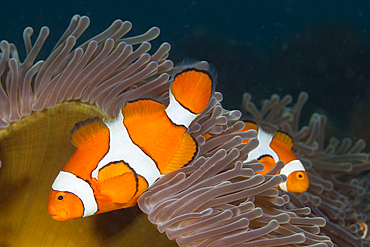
275 147
116 161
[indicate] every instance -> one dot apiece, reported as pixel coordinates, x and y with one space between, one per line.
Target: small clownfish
116 161
270 150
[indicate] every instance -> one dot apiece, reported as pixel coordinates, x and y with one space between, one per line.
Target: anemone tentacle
98 72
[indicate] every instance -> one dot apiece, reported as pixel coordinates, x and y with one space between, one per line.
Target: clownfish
116 161
275 147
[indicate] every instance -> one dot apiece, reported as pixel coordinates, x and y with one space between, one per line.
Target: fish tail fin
192 87
193 84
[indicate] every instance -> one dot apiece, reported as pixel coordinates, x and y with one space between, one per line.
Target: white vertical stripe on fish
122 148
178 114
68 182
263 147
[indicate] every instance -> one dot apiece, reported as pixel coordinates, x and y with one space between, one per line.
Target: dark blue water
262 47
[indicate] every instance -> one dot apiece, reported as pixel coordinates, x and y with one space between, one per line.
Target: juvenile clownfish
116 161
270 150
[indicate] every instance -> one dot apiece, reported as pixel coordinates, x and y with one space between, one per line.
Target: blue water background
261 47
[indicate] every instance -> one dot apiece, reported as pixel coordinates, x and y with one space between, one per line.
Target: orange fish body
270 150
116 161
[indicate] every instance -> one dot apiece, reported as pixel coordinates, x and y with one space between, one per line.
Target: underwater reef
217 200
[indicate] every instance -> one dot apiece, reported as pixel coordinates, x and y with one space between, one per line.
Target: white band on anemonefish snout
292 166
68 182
178 114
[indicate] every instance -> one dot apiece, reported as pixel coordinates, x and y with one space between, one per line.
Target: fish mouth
60 216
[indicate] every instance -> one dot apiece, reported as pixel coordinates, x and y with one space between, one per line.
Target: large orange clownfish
275 147
116 161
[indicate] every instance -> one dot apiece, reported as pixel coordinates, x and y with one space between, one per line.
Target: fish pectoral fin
120 189
112 170
185 153
268 162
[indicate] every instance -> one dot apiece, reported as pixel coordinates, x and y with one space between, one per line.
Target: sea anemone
217 200
42 100
220 201
338 189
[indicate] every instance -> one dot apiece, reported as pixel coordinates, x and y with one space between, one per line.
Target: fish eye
60 197
300 175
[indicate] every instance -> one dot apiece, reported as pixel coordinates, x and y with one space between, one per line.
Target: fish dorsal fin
184 154
139 108
283 139
155 134
87 129
118 181
249 125
193 89
112 170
